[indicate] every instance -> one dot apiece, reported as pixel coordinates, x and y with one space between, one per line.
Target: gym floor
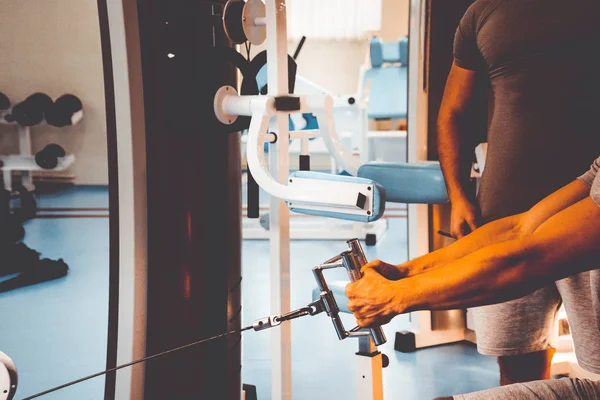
56 331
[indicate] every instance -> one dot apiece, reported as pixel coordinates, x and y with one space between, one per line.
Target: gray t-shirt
592 179
540 57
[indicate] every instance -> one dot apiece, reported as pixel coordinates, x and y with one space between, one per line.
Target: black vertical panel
444 17
194 205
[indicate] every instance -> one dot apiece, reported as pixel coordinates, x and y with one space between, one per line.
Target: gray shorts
555 389
527 324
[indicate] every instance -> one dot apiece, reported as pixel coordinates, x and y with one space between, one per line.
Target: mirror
54 274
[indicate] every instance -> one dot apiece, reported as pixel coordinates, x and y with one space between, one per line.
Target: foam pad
388 96
376 52
338 288
419 183
379 197
388 52
391 52
404 51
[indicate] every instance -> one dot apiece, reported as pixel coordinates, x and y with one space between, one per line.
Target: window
333 19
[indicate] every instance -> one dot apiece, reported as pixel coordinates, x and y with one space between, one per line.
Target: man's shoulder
482 9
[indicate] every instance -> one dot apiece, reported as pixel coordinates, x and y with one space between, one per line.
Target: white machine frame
352 125
308 194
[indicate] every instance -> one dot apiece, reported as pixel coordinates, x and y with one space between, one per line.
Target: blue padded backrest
376 52
388 96
404 51
419 183
391 52
379 196
388 52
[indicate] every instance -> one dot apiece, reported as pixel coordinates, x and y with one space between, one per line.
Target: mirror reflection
54 196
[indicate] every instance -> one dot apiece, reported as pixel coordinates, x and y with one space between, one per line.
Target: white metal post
279 164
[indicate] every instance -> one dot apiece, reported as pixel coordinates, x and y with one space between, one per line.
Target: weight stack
194 205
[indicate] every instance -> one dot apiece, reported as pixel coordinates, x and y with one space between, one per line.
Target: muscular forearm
565 244
491 275
498 231
453 150
513 227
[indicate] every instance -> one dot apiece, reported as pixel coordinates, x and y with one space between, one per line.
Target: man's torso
540 57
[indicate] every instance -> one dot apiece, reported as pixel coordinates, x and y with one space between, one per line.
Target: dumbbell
4 102
62 111
31 111
47 158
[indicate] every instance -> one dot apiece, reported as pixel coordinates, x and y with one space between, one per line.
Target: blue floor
56 331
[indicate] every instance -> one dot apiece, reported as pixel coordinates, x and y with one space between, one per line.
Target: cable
248 46
135 362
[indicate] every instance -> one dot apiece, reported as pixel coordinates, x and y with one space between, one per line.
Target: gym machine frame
369 382
270 114
352 110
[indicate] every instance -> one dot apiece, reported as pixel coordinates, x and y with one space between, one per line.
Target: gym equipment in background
388 72
350 115
17 258
31 111
48 157
244 21
31 269
65 111
37 109
4 102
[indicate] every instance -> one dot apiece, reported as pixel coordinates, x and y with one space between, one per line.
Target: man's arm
502 230
565 244
455 146
565 241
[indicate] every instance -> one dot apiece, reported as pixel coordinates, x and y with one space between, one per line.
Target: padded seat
379 197
420 183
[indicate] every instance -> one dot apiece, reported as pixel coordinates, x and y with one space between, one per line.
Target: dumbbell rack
25 160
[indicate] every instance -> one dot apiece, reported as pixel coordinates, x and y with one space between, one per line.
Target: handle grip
354 259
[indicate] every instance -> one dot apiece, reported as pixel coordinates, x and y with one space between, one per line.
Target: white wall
53 46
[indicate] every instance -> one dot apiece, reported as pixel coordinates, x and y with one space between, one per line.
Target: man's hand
388 271
373 299
464 218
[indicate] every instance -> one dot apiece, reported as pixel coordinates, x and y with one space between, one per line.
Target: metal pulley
249 70
245 21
